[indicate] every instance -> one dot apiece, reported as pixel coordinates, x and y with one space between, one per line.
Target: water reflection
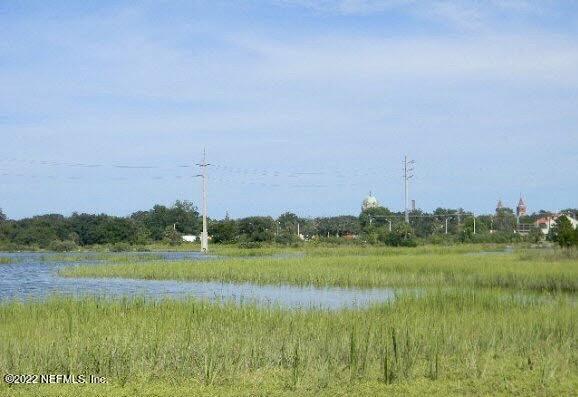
34 275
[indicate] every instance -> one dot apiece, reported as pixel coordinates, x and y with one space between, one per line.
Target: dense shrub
402 235
120 247
63 246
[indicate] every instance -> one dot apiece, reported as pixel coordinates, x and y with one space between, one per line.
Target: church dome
369 202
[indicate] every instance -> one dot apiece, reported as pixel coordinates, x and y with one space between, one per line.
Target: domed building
369 202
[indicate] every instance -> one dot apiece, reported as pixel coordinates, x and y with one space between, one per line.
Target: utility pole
203 175
474 223
447 219
407 175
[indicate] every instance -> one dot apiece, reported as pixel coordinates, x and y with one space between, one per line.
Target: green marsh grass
6 260
442 269
463 342
550 255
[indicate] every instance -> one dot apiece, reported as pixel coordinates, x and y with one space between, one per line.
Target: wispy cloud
462 14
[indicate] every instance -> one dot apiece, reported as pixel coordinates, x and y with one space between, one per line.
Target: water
35 275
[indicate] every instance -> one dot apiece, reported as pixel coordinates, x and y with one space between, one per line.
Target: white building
190 239
547 222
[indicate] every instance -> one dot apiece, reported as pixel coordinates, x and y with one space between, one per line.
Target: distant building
190 239
369 202
521 208
545 223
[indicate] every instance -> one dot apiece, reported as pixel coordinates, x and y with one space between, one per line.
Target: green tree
286 228
182 213
338 226
505 220
484 223
375 217
186 216
172 236
257 228
141 234
115 230
288 223
563 232
3 217
402 235
467 228
40 230
441 214
224 231
422 224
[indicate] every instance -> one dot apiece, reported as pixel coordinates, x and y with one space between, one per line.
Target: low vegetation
463 342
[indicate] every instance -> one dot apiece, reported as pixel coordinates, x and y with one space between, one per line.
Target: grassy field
483 336
463 342
438 267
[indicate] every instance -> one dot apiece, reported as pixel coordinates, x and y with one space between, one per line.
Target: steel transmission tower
203 175
407 175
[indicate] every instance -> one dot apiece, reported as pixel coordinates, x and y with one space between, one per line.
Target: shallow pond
35 275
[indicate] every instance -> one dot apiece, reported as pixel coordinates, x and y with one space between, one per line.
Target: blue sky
302 105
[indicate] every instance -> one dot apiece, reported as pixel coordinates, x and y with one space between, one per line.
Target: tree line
60 232
373 226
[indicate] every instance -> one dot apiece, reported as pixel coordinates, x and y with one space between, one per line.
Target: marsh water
35 275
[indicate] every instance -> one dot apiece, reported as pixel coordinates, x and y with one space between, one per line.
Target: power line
218 167
225 181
